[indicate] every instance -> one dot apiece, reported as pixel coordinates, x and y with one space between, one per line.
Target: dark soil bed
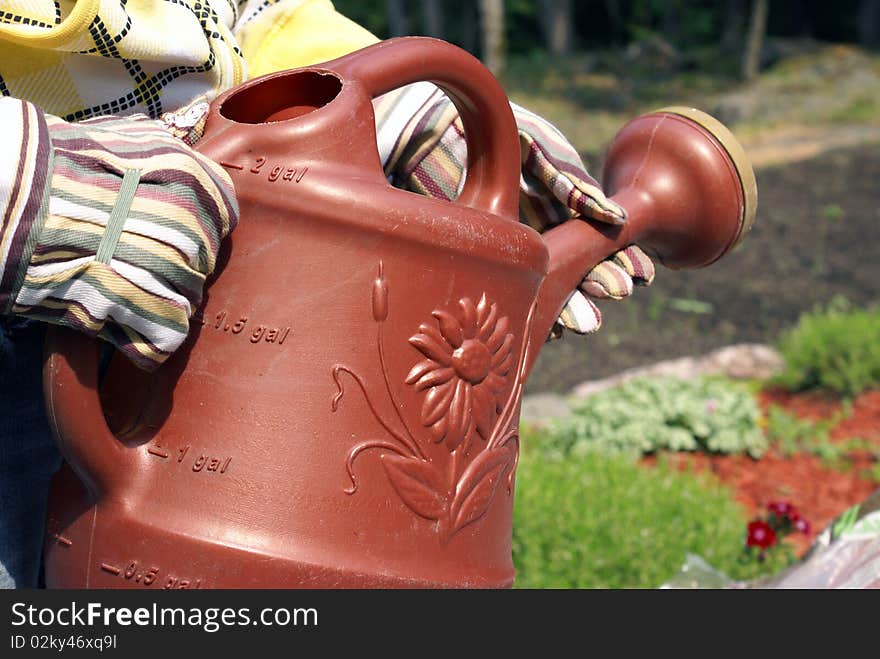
815 237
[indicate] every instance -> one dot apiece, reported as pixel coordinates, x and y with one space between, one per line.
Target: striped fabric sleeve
423 149
554 170
131 226
422 145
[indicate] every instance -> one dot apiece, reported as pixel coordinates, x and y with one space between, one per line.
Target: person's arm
423 149
109 226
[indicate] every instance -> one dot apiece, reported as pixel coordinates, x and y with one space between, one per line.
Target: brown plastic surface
345 411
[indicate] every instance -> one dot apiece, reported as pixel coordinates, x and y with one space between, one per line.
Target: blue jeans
28 456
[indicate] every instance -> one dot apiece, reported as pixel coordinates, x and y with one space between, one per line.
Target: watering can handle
685 182
492 182
73 406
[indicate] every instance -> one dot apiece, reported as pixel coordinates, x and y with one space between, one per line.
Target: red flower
781 508
800 524
760 534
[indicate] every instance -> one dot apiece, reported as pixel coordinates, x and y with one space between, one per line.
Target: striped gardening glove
110 226
427 154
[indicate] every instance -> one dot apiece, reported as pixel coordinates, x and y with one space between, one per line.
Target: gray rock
740 361
538 409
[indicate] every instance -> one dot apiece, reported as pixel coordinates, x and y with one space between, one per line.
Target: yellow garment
296 33
85 58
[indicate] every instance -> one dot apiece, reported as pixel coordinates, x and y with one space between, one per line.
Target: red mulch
818 490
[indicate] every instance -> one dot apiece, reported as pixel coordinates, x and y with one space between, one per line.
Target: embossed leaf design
419 484
477 486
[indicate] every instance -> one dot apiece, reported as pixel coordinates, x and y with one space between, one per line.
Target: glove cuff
134 222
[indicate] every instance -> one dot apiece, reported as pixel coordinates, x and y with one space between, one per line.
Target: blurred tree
800 16
555 19
369 13
869 23
469 26
757 29
561 25
522 27
494 42
732 27
398 18
616 26
432 18
672 22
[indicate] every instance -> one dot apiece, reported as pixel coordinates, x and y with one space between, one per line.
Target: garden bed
820 487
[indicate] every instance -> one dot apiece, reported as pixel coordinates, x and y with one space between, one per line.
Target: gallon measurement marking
154 450
233 325
146 575
64 542
273 171
197 461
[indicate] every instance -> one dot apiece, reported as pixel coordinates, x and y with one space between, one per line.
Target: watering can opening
281 98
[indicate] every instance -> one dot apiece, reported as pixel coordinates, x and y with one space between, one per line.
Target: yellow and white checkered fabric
85 58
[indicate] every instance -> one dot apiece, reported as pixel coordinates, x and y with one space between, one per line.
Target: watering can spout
689 193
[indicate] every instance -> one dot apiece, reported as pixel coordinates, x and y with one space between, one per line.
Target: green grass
856 110
593 521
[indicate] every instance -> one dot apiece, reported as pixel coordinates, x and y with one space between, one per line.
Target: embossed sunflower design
472 383
467 361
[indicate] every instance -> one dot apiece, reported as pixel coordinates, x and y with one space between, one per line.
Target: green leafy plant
791 435
832 212
834 349
846 521
651 414
689 305
594 521
873 473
